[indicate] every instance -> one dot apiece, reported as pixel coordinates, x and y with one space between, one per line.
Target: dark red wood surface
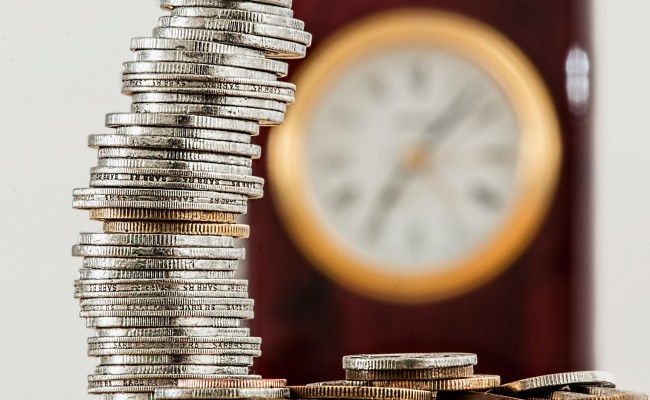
533 319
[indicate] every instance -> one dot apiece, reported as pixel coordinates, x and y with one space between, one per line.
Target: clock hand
389 195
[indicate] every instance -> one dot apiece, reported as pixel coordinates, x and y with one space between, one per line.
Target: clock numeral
500 156
487 197
334 162
415 236
488 112
418 77
344 118
376 87
345 197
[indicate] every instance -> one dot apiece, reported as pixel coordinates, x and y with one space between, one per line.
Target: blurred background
543 267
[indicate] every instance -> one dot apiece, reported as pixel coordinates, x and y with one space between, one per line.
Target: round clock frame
539 155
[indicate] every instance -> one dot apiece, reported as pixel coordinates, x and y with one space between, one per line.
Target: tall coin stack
172 176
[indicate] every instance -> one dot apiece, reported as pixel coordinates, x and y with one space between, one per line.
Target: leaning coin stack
173 175
579 385
416 376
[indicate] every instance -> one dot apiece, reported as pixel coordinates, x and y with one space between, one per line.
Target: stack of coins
415 376
173 174
450 376
580 385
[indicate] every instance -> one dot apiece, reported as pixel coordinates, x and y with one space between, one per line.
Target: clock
419 159
337 268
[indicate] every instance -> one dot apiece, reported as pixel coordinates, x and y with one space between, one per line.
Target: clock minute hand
446 120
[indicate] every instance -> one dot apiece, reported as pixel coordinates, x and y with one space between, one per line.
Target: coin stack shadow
172 176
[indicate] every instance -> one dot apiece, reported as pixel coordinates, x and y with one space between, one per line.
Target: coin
154 239
408 361
476 382
94 274
222 393
207 383
410 374
189 371
164 264
161 215
232 230
557 380
152 333
358 392
158 322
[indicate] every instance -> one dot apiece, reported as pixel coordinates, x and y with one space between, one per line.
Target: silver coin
166 182
557 380
172 143
173 164
161 322
218 253
137 381
230 5
226 179
154 274
159 199
264 117
135 370
154 43
227 340
237 26
239 15
206 88
279 68
181 121
172 350
408 361
154 239
187 303
187 68
272 105
222 393
127 396
179 333
175 155
228 360
188 133
163 264
229 377
275 48
167 314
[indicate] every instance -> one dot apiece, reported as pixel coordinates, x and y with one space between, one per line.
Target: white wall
622 160
59 75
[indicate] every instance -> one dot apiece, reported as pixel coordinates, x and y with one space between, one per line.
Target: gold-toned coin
410 374
476 382
147 214
178 228
358 392
231 383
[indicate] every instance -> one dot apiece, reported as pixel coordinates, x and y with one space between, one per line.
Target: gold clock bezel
539 154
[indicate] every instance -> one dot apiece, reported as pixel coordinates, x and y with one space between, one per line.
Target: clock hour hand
389 195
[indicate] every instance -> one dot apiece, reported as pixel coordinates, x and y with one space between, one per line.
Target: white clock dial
412 158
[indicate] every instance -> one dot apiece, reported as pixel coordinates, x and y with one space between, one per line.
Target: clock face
412 158
419 159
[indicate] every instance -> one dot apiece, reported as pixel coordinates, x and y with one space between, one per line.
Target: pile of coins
158 284
450 376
